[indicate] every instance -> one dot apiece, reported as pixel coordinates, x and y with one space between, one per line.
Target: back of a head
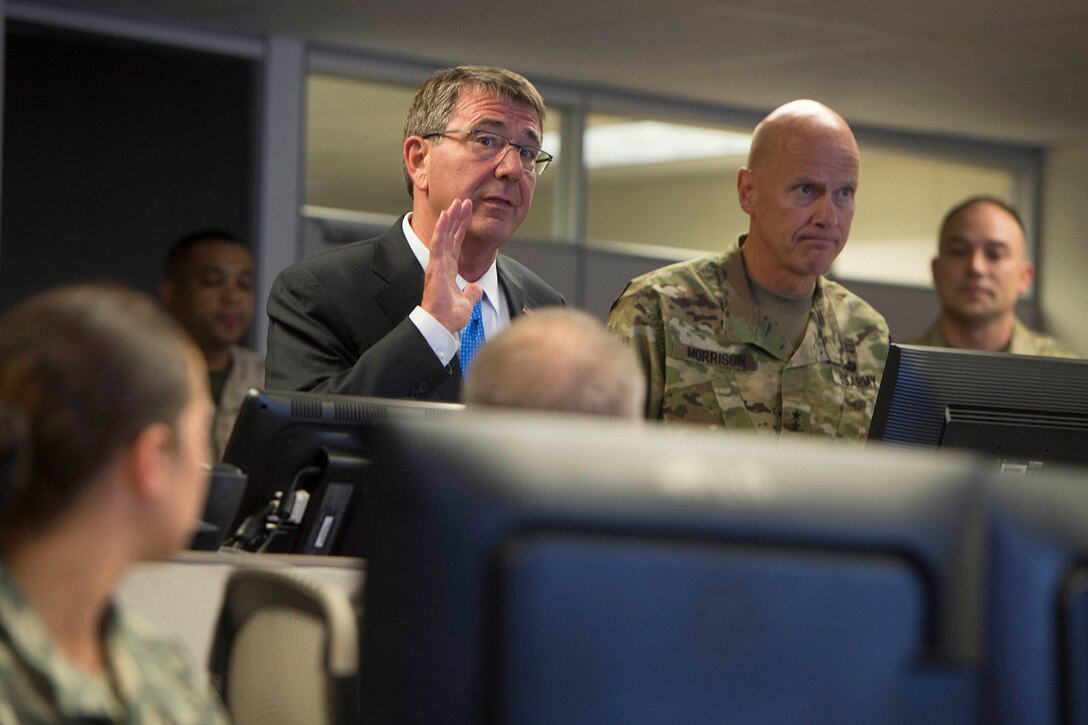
83 369
559 360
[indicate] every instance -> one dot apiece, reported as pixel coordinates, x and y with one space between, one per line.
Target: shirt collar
489 282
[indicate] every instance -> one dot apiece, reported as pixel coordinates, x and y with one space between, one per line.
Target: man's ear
168 292
745 191
148 461
1027 274
416 158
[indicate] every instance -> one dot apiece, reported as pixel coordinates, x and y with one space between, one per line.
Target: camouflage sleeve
201 696
159 667
8 716
636 319
1062 351
1051 347
866 337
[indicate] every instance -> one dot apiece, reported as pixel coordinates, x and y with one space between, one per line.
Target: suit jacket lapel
395 264
512 287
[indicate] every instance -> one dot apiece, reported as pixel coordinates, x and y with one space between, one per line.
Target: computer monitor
1022 411
317 443
546 570
1036 650
226 487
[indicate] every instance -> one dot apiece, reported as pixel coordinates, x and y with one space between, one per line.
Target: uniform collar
745 322
1020 335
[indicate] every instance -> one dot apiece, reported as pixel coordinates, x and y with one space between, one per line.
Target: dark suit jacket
338 322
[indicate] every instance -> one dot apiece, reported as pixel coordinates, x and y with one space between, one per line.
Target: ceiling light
653 142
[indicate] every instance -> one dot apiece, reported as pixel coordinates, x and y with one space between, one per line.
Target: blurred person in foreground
980 271
560 360
208 287
105 411
756 337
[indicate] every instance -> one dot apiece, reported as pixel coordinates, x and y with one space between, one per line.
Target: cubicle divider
184 593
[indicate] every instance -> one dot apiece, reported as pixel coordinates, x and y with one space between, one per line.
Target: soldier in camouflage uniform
756 337
104 423
980 271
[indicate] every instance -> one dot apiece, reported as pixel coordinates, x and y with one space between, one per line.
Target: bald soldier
980 271
756 337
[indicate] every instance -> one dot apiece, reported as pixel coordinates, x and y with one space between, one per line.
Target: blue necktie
472 337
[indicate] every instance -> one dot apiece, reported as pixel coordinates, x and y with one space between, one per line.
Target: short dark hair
83 370
434 100
179 250
980 199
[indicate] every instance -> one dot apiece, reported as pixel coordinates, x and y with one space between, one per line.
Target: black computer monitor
1037 601
318 443
226 487
1022 411
529 570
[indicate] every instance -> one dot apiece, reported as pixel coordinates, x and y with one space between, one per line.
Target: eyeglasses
488 145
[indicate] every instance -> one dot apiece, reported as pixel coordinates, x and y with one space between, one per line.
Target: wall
184 594
1064 249
113 149
630 205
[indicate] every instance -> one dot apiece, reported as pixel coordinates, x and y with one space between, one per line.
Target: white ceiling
1004 70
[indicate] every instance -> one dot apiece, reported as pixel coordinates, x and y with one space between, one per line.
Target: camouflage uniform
713 357
1024 341
150 678
246 371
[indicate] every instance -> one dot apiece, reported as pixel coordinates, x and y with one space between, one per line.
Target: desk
184 594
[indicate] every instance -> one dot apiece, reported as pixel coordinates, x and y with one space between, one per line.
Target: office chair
286 649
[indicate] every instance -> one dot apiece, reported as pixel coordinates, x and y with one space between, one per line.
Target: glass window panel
673 187
353 141
663 184
902 198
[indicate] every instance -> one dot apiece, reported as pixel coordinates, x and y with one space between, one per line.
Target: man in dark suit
385 316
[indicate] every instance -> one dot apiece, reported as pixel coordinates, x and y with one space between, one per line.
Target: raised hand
448 304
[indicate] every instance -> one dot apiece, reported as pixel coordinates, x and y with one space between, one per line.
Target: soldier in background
756 337
208 288
560 360
980 271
